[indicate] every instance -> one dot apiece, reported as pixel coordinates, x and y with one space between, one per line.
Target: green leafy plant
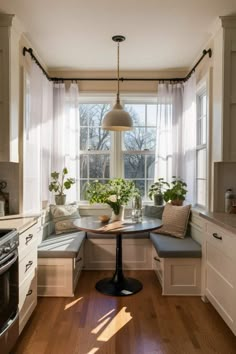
157 188
58 185
177 191
116 192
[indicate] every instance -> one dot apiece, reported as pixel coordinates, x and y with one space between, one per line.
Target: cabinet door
220 281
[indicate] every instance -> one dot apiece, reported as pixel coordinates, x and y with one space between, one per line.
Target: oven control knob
6 249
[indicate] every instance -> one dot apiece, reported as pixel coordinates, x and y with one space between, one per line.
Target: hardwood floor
144 323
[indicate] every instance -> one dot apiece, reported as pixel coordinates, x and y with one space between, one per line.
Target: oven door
8 289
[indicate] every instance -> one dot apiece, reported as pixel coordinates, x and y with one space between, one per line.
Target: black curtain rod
30 51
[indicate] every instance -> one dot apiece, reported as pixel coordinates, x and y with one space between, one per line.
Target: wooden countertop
227 221
21 223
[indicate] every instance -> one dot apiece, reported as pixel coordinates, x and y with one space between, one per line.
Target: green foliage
116 192
157 188
58 186
177 190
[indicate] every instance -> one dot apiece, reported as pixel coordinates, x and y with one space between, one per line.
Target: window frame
204 86
116 151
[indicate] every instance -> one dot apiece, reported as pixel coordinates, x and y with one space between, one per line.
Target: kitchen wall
9 172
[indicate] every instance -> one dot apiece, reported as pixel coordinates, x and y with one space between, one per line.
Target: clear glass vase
137 209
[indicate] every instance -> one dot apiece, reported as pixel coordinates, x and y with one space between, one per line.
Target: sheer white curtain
36 140
169 131
176 134
66 133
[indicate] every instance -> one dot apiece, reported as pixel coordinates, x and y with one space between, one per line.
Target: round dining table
118 284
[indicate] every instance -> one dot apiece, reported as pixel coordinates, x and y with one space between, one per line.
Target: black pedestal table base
127 286
118 285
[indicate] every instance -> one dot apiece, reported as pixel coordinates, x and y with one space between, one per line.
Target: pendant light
117 119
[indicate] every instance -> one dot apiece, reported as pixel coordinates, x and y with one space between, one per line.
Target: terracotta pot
177 202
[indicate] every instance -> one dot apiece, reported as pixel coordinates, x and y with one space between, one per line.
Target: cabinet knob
30 292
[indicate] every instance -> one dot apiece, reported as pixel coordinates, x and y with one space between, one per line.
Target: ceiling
160 34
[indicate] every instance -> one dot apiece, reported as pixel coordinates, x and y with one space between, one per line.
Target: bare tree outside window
139 146
95 144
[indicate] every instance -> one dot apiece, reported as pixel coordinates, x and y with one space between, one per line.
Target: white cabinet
9 89
220 271
27 274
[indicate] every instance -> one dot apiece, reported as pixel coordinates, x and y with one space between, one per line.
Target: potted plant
156 191
177 191
116 193
58 185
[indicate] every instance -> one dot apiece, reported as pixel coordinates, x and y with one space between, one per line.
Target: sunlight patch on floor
107 314
119 321
99 327
72 303
93 351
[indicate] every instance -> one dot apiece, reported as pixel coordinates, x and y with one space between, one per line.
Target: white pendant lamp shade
117 119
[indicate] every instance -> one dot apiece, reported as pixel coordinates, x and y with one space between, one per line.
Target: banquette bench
177 262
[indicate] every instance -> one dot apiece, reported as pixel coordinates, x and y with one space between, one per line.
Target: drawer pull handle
28 265
157 259
30 292
28 238
216 236
78 259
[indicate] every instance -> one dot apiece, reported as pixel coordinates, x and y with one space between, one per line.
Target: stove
9 289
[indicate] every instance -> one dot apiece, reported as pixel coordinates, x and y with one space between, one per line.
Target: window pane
201 163
91 114
83 166
99 166
140 184
83 184
203 130
201 192
135 139
150 139
134 166
150 166
151 114
83 138
137 112
99 139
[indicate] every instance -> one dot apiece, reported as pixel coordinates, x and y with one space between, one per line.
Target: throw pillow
153 211
175 220
63 217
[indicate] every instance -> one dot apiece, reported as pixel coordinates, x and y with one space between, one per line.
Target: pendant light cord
118 72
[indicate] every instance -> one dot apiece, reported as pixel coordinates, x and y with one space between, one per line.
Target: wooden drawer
28 264
27 300
27 241
222 239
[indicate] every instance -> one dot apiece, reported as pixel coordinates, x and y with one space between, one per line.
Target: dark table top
93 224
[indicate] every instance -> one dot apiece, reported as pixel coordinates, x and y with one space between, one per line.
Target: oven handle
4 268
9 322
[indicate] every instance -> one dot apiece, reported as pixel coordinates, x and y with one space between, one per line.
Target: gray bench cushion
63 246
171 247
136 235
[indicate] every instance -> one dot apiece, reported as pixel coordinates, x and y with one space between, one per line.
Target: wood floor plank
144 323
